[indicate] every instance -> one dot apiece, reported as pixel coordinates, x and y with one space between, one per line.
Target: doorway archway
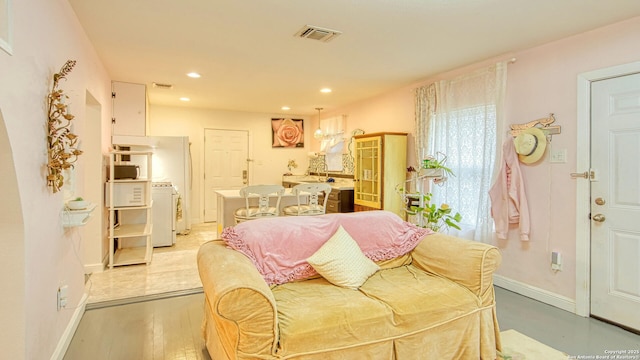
12 259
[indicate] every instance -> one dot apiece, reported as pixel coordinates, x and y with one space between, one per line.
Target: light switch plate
558 156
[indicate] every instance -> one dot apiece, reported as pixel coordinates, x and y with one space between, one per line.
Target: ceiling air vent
317 33
162 86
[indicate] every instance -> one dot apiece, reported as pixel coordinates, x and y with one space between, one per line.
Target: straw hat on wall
530 145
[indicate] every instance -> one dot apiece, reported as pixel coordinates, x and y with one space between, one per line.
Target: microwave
127 194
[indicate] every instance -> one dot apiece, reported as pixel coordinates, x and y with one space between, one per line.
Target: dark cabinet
340 201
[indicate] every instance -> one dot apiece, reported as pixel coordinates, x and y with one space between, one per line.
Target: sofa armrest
466 262
241 303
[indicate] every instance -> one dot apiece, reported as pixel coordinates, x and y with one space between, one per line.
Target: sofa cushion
341 261
316 316
419 300
391 304
279 247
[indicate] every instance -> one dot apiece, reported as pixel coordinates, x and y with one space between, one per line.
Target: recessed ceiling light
194 75
285 108
185 99
325 90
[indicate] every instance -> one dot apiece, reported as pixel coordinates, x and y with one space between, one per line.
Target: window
460 118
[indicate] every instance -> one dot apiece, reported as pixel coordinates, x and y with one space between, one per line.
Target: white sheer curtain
460 118
425 110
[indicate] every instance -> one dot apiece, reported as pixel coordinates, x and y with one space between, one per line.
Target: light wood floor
172 269
169 329
160 329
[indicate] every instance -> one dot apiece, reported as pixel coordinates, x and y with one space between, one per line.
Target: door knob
587 175
600 201
598 218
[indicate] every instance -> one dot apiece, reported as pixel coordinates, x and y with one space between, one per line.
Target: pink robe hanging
508 198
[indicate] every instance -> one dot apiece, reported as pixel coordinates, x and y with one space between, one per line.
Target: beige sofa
436 302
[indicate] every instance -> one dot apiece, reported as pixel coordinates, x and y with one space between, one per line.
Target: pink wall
544 79
46 34
541 81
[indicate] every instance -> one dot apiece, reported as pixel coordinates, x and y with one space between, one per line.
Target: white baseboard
545 296
65 339
97 267
93 268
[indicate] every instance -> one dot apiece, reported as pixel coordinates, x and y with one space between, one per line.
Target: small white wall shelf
72 218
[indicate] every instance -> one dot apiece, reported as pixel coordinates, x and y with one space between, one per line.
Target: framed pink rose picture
287 133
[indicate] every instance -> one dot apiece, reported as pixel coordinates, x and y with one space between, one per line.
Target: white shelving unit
130 213
419 185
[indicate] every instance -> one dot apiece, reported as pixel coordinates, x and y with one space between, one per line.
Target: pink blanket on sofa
280 246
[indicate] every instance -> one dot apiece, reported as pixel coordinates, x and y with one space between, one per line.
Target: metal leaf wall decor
63 151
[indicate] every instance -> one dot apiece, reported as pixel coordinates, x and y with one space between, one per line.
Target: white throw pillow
341 261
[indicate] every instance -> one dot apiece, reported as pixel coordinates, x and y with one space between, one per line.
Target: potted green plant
436 218
77 204
291 165
436 166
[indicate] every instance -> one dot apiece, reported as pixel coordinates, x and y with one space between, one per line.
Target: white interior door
226 154
615 200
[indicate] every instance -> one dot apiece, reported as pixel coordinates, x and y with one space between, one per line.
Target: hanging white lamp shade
318 133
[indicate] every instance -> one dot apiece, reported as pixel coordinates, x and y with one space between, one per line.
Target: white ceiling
250 60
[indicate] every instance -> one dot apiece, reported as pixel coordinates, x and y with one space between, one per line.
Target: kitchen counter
338 184
230 200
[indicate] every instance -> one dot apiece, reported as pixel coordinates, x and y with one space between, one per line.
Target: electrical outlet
62 296
556 261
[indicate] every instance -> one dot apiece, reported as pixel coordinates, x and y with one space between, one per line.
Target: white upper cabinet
129 108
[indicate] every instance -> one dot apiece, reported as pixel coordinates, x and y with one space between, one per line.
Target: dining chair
262 194
310 192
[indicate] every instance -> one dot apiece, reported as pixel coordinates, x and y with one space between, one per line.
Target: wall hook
543 124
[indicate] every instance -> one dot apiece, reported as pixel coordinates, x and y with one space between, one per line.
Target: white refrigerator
171 162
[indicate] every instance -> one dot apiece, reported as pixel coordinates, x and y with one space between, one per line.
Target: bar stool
263 193
312 192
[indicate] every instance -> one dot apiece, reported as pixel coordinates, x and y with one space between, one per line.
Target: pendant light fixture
318 133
